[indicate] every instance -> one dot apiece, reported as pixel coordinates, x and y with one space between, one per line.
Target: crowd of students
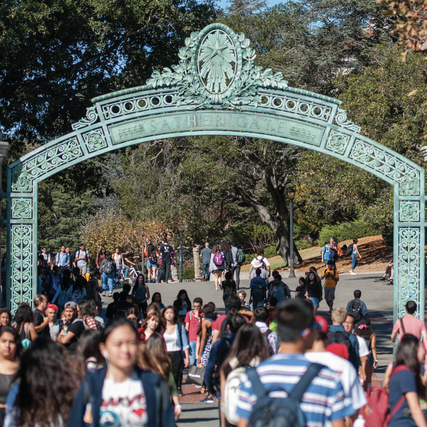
63 364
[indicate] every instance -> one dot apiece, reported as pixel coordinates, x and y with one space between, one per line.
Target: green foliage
187 273
346 231
55 56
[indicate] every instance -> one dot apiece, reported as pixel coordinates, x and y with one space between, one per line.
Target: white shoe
352 272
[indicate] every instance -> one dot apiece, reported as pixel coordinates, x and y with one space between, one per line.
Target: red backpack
376 412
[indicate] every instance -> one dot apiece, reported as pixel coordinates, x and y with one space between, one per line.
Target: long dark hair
248 344
100 251
363 328
160 297
154 356
407 355
17 339
88 346
177 302
79 284
6 310
135 286
23 314
47 385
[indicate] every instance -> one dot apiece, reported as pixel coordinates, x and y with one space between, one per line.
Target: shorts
329 294
315 301
149 264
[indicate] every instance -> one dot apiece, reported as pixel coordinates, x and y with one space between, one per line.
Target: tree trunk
280 227
196 257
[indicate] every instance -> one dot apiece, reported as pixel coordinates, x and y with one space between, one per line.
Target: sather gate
216 89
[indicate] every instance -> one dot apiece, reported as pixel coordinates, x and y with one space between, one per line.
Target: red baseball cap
323 324
340 350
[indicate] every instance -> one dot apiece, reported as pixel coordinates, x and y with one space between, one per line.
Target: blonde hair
339 315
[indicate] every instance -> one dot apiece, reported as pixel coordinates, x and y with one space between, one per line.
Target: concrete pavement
376 294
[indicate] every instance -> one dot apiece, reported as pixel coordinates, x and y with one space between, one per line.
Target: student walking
354 254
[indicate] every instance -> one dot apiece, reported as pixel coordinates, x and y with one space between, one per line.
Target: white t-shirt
123 404
363 347
260 258
347 375
80 254
171 341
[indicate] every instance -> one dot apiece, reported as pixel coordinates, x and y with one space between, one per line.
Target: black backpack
340 337
350 249
278 411
108 267
355 310
153 258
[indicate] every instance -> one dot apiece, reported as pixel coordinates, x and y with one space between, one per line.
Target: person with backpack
260 262
121 391
107 270
409 324
319 353
340 334
313 394
248 349
279 289
331 276
117 257
62 260
228 257
192 322
261 316
326 253
141 293
24 324
258 288
367 352
205 254
406 386
82 260
354 252
219 353
217 265
356 307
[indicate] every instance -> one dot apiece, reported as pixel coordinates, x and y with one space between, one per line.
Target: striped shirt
323 401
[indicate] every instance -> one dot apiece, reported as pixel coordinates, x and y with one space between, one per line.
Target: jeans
126 273
206 271
193 360
257 303
354 259
118 271
107 279
236 270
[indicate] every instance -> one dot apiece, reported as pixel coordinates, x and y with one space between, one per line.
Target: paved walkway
377 296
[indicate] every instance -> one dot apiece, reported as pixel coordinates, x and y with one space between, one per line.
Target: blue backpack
278 411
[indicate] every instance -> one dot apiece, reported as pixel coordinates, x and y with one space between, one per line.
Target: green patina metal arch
217 89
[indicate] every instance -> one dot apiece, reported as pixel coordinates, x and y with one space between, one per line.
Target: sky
224 3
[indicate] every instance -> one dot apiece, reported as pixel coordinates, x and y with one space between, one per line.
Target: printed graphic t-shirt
123 404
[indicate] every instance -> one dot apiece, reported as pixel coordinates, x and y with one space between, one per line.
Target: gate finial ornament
217 67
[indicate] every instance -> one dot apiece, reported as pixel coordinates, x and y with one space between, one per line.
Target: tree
56 56
379 99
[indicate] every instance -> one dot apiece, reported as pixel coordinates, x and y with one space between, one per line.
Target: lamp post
181 228
291 195
142 255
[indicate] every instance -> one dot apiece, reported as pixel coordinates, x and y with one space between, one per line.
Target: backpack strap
300 388
402 326
257 386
